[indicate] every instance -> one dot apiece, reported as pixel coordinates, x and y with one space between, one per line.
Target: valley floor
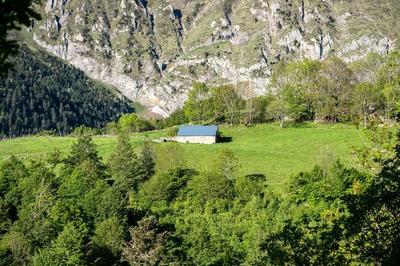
263 149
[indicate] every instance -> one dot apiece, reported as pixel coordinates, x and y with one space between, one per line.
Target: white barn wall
197 139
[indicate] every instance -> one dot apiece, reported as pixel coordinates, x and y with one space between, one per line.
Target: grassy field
262 149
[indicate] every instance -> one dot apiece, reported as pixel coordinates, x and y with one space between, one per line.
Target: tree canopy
80 211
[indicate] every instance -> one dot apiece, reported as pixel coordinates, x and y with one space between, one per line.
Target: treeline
328 91
42 93
148 208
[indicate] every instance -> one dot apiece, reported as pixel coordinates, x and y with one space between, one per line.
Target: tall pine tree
124 165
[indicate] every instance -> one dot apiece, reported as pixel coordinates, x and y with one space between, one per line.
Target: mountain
42 92
153 51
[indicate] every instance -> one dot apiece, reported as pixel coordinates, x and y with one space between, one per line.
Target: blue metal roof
197 131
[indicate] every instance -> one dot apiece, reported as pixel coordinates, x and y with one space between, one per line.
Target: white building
197 134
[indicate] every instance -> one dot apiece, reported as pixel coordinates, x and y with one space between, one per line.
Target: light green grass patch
263 149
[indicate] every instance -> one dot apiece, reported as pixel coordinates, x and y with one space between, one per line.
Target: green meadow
263 149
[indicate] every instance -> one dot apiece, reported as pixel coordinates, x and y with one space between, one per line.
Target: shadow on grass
224 139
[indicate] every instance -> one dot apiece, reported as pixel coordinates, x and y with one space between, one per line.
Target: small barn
197 134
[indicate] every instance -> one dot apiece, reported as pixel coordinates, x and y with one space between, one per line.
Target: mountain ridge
153 51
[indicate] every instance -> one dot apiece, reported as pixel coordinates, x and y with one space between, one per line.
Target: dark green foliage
124 165
66 249
146 161
158 192
43 93
79 211
84 151
258 108
108 240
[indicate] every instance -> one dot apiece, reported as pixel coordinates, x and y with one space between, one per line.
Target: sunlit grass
263 149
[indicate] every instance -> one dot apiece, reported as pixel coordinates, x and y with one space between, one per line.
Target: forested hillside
132 210
42 92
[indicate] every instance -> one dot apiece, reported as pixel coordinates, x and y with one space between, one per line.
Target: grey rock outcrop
152 51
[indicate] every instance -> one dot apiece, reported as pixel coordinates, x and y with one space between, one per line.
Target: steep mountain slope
153 51
44 93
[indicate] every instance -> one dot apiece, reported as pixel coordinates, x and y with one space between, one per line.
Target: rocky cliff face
153 50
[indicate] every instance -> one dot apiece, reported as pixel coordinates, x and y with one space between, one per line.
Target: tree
378 147
385 220
12 171
249 95
278 111
34 216
259 106
389 81
366 100
147 243
296 83
366 70
295 101
197 108
124 165
13 14
70 97
67 249
132 123
147 161
85 150
332 101
391 96
176 118
210 186
161 189
226 104
19 247
108 241
320 207
376 233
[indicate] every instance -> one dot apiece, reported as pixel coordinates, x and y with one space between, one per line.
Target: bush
82 130
172 132
132 123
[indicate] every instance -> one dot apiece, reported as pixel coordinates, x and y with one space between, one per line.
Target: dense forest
43 93
142 209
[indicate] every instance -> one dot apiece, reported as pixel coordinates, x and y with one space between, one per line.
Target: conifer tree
85 151
147 162
124 164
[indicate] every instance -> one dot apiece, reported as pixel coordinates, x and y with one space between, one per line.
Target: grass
262 149
278 153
